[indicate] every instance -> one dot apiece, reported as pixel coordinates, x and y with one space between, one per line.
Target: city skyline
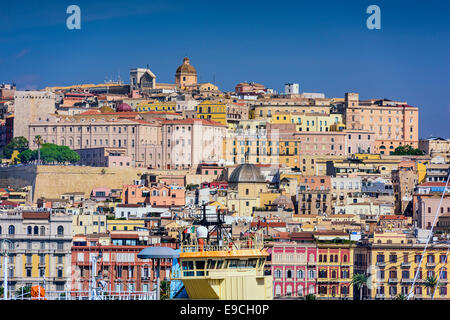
325 47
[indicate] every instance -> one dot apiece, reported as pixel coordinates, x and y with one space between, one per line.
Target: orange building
394 123
167 196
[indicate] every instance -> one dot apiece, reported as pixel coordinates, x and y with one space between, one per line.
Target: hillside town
344 196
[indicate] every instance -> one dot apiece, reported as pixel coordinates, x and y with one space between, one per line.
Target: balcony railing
406 264
392 280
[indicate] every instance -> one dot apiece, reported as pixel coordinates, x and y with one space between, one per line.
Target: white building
291 88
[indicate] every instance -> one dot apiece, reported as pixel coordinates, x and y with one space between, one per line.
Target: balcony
406 264
392 281
407 280
431 264
59 279
379 296
381 264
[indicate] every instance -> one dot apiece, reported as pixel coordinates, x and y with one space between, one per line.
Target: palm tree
360 280
39 141
400 296
431 282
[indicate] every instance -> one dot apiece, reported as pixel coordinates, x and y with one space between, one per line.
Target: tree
39 141
50 153
431 282
25 156
400 296
165 290
360 280
18 143
24 292
407 150
310 296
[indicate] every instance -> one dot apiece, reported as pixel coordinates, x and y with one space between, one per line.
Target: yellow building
316 122
394 259
156 106
289 149
212 110
334 267
125 225
84 224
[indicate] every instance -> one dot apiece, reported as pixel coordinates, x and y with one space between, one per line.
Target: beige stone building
245 184
31 106
39 249
189 142
435 146
139 137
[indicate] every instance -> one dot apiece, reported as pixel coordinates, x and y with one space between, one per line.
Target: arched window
336 258
42 231
36 230
333 274
60 231
289 290
312 290
300 274
278 290
29 230
11 230
300 290
344 258
289 274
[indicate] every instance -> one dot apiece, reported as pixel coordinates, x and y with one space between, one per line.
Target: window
11 230
60 230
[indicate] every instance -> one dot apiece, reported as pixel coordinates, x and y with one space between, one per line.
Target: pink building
359 141
189 142
101 193
293 266
428 205
164 196
157 196
321 143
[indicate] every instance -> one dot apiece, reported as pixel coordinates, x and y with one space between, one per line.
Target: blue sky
324 45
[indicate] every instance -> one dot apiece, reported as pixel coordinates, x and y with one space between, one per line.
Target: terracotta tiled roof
36 215
393 217
124 236
432 184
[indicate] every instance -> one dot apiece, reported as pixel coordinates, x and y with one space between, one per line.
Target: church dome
124 107
283 201
186 68
246 173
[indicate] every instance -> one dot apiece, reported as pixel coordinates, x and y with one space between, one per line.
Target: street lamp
4 250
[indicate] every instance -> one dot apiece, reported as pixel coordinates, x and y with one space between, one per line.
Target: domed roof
124 107
283 201
186 68
247 173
